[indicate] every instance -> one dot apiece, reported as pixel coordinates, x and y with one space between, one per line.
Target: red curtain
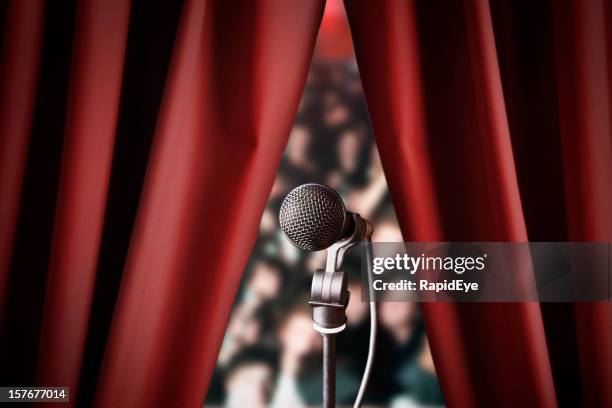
18 76
493 124
77 84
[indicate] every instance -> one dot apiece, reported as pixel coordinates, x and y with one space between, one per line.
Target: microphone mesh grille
312 216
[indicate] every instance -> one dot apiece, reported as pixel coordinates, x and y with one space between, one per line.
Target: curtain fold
18 80
93 104
583 40
444 58
235 80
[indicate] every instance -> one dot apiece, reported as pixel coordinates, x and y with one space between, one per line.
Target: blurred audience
249 379
271 355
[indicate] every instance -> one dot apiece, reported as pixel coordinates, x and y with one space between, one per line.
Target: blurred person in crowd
399 336
300 379
405 354
398 319
249 378
298 341
419 383
297 157
244 329
351 148
387 229
369 199
352 155
280 188
336 111
372 197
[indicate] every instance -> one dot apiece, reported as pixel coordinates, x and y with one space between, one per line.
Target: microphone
313 217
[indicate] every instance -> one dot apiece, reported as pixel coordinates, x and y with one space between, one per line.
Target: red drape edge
498 348
584 67
235 80
95 87
20 59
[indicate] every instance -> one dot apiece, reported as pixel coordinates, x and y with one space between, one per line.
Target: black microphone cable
373 325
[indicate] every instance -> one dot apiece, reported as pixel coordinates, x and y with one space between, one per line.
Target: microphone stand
329 298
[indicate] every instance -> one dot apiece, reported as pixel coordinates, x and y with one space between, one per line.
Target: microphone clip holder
329 295
329 299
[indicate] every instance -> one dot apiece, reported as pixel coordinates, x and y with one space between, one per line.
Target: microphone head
313 216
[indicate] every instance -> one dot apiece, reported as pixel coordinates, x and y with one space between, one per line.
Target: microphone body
313 217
